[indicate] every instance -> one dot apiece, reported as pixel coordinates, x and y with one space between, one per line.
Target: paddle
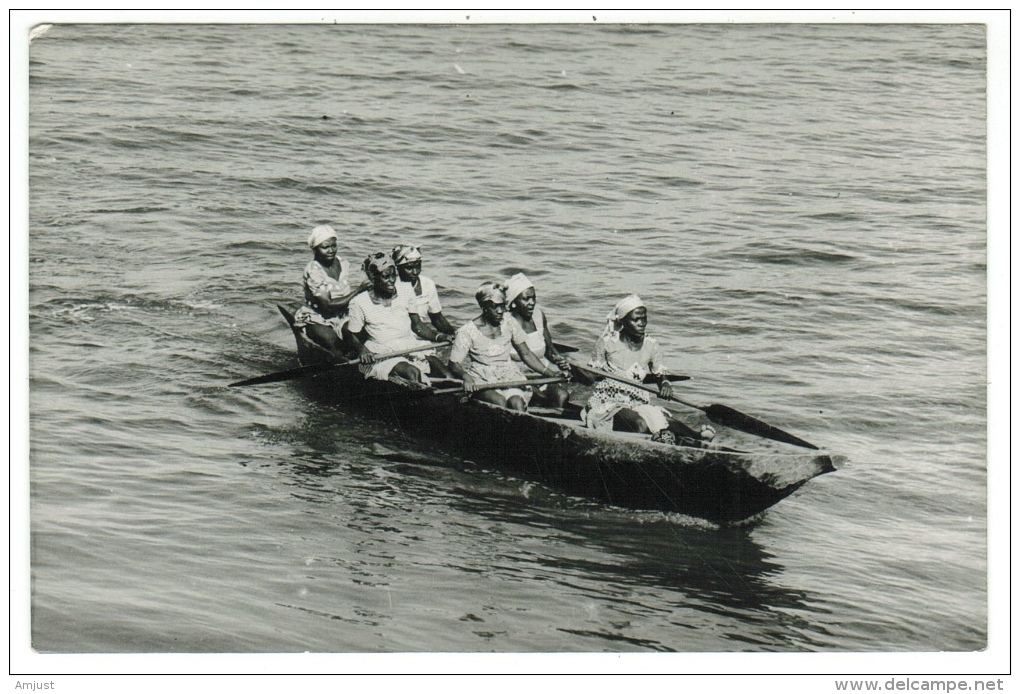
672 378
502 384
648 379
720 414
309 369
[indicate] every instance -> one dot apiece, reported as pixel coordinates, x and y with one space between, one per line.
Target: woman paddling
482 347
522 302
624 349
382 322
327 284
422 293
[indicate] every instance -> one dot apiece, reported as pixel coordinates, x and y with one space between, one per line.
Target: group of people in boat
393 321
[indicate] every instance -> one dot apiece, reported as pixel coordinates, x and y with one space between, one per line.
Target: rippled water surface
802 207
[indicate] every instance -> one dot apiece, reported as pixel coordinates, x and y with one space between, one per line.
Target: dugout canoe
735 481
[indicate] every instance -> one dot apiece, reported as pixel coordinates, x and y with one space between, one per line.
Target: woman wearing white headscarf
420 290
523 308
625 350
327 284
481 351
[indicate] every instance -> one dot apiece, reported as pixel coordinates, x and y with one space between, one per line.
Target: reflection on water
640 575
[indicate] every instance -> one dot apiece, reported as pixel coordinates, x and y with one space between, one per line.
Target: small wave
201 304
128 210
803 257
837 216
85 310
677 182
74 314
921 307
516 139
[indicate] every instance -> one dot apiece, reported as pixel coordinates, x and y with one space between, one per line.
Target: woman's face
409 271
524 304
635 323
493 312
385 283
325 252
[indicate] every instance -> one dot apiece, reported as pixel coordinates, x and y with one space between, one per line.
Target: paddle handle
401 353
504 384
323 366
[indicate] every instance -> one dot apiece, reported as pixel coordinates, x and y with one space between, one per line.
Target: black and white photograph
625 343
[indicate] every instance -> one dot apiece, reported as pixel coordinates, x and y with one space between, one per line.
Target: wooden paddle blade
734 419
565 348
673 378
296 372
581 376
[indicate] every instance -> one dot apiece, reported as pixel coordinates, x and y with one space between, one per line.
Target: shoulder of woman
404 289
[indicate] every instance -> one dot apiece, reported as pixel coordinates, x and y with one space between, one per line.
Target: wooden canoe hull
619 469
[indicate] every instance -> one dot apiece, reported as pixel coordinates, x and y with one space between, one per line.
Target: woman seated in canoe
381 322
328 291
482 347
625 350
523 309
421 290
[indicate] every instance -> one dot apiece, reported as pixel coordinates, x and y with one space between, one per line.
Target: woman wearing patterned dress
327 283
523 308
481 351
625 350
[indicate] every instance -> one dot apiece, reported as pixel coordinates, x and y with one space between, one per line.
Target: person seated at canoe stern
482 347
422 293
624 349
381 321
523 308
328 291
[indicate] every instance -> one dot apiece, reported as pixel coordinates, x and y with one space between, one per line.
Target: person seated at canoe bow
381 321
522 303
482 347
624 349
421 290
328 291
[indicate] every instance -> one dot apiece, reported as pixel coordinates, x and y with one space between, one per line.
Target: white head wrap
620 311
516 286
320 234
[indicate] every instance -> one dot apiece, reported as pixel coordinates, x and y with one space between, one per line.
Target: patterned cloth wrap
320 287
488 360
609 396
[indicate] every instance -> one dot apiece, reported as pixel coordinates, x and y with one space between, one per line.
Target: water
803 208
